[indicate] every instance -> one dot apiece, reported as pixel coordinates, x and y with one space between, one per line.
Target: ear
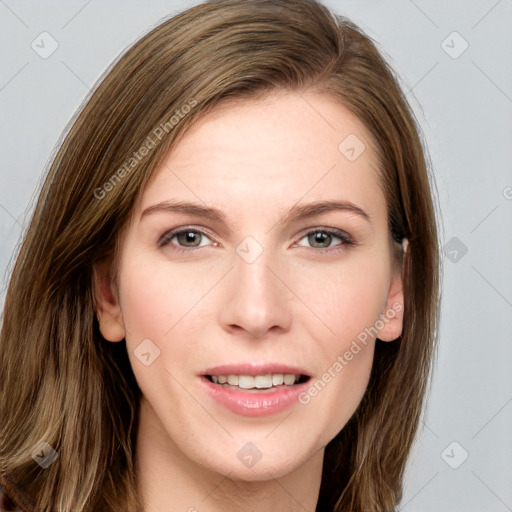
108 310
393 314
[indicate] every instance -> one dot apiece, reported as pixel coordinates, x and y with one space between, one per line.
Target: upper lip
255 368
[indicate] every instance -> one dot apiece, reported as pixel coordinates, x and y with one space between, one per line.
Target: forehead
271 153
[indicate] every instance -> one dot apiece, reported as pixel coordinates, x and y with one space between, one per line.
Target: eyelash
165 239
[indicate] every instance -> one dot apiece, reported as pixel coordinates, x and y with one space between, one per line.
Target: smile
267 381
278 392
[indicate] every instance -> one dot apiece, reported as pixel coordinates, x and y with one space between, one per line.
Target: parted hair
61 383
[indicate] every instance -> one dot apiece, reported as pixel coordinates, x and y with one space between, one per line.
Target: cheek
169 305
157 298
346 298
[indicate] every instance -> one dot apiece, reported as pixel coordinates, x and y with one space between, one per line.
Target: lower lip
253 404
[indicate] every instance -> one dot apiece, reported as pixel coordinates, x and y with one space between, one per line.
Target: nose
256 299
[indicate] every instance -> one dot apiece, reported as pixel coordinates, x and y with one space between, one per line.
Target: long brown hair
62 384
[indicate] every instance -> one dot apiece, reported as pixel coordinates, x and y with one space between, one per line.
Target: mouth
255 388
258 383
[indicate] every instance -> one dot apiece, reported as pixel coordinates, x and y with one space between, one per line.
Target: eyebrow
297 213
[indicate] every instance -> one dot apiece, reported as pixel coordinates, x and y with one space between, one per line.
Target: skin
293 304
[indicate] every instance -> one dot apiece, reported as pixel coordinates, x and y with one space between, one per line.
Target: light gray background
466 107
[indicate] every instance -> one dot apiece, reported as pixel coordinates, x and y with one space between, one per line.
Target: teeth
289 379
233 380
263 381
277 379
258 381
245 381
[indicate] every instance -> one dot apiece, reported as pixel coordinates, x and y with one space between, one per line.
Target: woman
227 297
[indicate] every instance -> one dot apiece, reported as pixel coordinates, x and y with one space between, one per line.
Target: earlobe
106 304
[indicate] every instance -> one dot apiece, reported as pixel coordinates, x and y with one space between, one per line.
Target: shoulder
12 500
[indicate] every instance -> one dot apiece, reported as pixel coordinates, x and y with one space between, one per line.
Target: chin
261 459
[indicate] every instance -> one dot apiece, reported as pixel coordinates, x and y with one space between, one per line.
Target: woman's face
238 265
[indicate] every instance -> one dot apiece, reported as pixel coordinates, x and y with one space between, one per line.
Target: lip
255 368
255 404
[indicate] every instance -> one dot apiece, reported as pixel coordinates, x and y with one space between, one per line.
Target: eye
323 238
184 238
188 238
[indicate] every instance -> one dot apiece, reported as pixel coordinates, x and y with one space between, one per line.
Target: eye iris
189 236
321 238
